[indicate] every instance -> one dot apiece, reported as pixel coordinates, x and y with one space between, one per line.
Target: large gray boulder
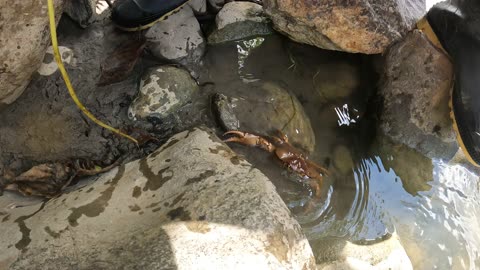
192 204
416 88
364 26
24 37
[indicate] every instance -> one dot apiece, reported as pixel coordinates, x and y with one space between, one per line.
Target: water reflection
376 187
439 227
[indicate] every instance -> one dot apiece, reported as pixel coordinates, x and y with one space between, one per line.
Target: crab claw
249 139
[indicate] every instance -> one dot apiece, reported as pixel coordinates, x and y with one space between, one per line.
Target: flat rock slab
192 204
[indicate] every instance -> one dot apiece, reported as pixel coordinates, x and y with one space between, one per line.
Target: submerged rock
24 37
163 90
414 169
365 26
342 159
178 39
239 20
338 83
266 109
416 90
192 204
339 254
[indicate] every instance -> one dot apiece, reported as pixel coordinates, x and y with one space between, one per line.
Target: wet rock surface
45 125
24 37
239 20
177 39
338 254
276 110
81 11
359 27
163 91
224 112
413 168
193 196
416 90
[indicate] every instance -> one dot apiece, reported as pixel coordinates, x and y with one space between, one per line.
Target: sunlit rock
339 254
416 88
365 26
163 90
192 204
49 65
239 20
24 37
177 39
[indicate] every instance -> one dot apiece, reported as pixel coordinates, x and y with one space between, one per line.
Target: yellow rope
56 52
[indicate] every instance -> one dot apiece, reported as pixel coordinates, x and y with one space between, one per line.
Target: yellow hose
71 91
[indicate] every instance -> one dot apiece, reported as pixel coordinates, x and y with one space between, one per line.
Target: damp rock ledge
192 204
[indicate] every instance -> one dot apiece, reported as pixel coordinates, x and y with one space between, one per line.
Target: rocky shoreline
185 200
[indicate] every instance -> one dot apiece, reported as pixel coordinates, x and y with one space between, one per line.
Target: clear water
376 187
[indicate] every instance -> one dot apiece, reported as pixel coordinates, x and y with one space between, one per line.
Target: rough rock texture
364 26
239 20
385 255
416 90
163 90
192 204
198 6
216 5
224 112
81 11
24 36
177 39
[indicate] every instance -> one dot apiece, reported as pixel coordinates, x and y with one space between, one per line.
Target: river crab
292 158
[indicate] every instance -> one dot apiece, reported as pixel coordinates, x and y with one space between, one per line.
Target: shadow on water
375 187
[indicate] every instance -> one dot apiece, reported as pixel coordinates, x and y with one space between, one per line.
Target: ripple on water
434 207
439 228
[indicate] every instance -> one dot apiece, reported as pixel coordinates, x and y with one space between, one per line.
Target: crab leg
249 139
318 167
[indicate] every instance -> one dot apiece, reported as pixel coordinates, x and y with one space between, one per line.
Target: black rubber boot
136 15
457 36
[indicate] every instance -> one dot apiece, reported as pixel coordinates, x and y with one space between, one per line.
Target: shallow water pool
376 187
